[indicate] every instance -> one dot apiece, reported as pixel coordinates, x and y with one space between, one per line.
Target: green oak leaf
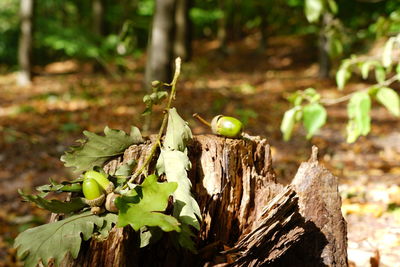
314 117
98 149
125 169
60 187
145 206
54 205
55 240
178 132
175 165
149 235
110 219
174 162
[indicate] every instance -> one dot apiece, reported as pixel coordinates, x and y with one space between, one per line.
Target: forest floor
38 123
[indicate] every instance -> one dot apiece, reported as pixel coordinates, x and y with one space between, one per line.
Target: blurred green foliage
63 28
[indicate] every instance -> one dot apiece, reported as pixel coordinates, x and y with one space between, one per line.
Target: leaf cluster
141 206
313 115
156 97
174 163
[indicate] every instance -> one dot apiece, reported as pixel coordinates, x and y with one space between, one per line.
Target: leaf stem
197 116
157 142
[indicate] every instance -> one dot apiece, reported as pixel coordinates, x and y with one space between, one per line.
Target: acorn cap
110 188
97 202
214 124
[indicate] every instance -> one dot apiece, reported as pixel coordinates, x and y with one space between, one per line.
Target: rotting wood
248 218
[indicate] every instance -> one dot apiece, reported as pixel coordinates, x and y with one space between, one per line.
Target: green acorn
101 179
226 126
223 125
94 194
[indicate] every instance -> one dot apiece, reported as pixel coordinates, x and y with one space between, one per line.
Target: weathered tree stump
248 218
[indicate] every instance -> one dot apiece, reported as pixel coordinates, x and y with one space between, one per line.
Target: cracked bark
249 219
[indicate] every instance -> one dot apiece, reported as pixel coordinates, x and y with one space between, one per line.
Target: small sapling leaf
380 74
313 9
358 110
314 117
342 76
390 99
387 52
288 122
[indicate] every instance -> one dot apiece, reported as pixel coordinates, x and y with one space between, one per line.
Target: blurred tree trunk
323 47
222 24
25 43
263 13
236 25
182 41
98 17
159 51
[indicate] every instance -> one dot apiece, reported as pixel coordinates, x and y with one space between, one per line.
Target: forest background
69 66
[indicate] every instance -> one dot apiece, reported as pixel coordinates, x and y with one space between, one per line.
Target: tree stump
249 219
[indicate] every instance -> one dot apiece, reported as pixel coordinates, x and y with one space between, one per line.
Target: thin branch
157 143
329 102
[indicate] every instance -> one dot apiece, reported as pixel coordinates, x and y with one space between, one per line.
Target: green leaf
333 6
342 76
185 238
110 219
387 52
296 98
178 132
175 165
311 95
53 205
365 68
154 98
288 122
335 47
314 117
174 162
55 240
65 186
398 71
313 10
358 110
380 74
145 207
125 169
149 235
390 99
98 149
